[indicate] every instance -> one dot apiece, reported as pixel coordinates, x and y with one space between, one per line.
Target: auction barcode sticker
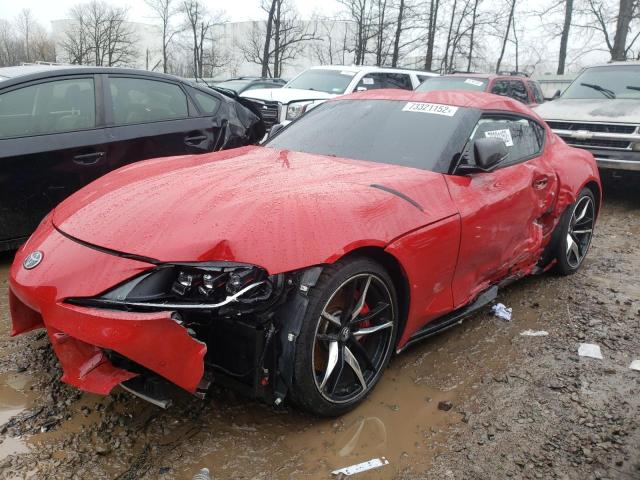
434 108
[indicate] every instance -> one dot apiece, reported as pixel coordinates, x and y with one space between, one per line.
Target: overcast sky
236 10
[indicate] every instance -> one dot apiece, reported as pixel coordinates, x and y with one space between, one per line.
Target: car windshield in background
235 85
613 81
329 81
411 134
453 83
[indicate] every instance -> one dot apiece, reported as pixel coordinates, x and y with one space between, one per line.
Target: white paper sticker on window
433 108
367 81
476 83
504 135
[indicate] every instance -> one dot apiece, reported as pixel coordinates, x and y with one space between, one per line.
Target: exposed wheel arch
398 276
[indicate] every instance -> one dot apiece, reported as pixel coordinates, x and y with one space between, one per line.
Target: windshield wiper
605 91
631 87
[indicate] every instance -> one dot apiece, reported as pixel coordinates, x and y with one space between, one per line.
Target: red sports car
298 268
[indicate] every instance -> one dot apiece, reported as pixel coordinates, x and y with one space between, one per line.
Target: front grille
593 127
269 111
620 144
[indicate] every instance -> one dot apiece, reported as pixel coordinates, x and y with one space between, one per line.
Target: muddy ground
522 407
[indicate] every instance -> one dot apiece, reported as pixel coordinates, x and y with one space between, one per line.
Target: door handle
195 140
540 183
88 158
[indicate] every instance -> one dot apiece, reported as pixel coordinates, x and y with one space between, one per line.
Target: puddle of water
12 402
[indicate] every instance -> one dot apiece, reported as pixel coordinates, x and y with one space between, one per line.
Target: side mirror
274 130
489 152
556 95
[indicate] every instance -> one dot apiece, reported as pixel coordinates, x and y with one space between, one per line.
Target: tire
327 387
575 233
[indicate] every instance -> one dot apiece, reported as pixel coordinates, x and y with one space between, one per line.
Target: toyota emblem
33 260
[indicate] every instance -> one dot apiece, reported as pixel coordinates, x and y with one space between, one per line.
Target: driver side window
523 137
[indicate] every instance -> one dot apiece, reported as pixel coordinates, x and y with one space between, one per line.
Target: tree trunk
564 38
396 42
506 36
625 15
433 23
276 42
267 40
445 60
471 35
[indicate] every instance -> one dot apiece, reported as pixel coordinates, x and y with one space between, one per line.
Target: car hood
286 95
590 110
278 209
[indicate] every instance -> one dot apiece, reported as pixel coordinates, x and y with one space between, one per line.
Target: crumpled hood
278 209
589 110
286 95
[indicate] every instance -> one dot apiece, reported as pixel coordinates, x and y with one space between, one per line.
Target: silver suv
600 111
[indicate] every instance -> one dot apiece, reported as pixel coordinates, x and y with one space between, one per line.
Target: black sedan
63 127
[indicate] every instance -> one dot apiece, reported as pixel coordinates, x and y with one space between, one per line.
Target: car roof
630 63
36 72
488 76
457 98
365 68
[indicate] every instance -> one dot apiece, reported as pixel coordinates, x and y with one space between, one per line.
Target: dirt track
523 407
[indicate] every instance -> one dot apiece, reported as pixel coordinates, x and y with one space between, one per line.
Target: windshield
453 83
411 134
235 85
329 81
615 81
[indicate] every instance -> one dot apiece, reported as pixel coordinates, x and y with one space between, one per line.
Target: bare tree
398 33
164 11
271 11
25 23
100 35
626 12
505 39
431 33
474 22
564 37
332 41
360 12
288 39
199 24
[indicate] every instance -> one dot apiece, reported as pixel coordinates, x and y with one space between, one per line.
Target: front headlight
294 110
191 286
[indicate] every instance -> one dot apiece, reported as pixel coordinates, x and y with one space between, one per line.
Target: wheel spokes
332 318
584 211
375 328
572 248
332 361
355 366
381 307
362 300
360 351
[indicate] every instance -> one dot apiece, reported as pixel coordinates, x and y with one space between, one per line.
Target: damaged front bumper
83 337
82 295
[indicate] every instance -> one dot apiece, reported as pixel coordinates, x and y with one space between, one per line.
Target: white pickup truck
317 84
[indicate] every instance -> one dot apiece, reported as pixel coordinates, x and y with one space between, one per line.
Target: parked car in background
63 127
317 84
243 84
297 268
600 111
516 86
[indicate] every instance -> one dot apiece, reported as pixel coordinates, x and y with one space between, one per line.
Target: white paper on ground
501 311
362 467
534 333
589 350
635 365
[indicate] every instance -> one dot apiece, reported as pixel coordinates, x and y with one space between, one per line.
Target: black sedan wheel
347 338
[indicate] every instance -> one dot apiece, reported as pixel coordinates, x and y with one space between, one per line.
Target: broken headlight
208 285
